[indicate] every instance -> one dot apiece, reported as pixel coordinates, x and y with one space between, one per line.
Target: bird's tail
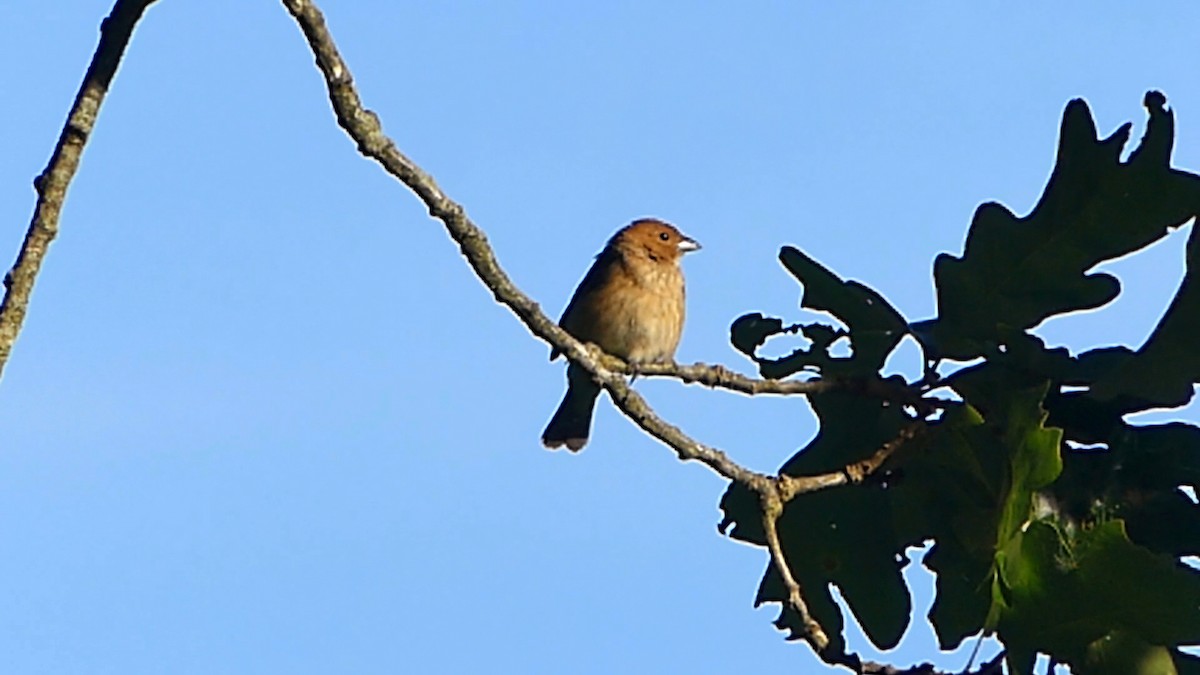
572 422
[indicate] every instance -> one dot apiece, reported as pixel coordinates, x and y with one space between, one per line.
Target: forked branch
364 128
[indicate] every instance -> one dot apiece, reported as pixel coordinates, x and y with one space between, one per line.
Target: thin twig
784 488
772 508
854 473
720 377
52 184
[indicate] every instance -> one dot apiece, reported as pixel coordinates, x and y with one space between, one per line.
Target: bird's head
653 238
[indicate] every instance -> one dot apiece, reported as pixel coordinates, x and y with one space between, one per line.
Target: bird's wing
578 318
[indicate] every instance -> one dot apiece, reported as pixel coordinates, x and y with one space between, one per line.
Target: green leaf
1032 601
1011 404
1035 457
1119 653
1151 596
1069 593
971 489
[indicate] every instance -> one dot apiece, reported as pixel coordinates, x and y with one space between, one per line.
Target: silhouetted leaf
1016 272
841 536
949 490
875 326
1136 478
743 515
962 598
1163 371
1163 522
1186 664
1060 549
750 331
1159 456
971 489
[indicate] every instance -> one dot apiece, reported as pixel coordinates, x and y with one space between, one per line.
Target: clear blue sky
262 418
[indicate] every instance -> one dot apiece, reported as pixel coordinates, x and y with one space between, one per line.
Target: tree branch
720 377
772 508
364 128
52 184
790 486
784 488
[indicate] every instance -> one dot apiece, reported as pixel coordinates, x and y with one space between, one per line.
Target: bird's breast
640 316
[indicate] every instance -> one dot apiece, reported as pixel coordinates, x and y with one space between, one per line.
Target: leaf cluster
1056 524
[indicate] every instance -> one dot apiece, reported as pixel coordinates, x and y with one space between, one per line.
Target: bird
631 305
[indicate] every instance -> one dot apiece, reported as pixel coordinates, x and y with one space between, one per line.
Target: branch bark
772 509
720 377
851 474
52 183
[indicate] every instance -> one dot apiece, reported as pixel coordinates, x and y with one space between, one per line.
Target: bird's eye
665 236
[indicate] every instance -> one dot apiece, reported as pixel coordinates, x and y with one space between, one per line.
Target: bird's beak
687 245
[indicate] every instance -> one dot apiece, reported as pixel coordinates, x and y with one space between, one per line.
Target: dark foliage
1056 524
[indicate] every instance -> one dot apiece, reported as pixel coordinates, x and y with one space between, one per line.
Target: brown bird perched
630 304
